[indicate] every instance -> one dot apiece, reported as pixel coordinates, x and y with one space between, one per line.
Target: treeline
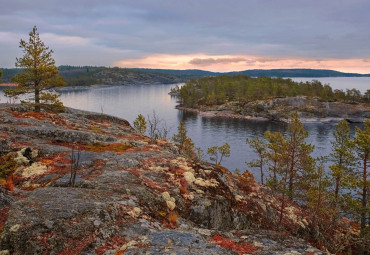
80 75
220 89
92 75
328 194
72 75
8 73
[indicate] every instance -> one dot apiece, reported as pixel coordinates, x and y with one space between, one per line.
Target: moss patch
7 166
116 147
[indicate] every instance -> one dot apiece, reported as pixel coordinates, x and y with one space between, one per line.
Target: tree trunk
364 195
283 199
337 180
291 179
336 192
37 100
261 171
275 178
291 170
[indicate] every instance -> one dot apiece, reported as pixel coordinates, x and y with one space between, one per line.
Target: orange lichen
184 186
246 181
152 184
240 248
76 246
9 183
135 172
172 218
35 115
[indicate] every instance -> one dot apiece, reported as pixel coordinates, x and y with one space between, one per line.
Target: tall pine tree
259 147
342 156
39 72
362 184
300 163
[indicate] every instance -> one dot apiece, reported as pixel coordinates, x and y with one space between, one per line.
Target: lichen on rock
143 199
36 168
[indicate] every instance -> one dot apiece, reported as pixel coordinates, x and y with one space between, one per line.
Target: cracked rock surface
129 195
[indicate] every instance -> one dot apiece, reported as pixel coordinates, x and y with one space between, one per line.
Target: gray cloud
118 29
212 61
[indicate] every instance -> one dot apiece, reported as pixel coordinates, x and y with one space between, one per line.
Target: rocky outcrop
129 195
280 109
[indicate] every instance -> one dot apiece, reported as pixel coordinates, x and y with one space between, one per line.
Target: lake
130 100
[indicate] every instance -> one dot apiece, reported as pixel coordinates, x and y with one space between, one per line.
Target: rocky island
280 109
273 99
86 183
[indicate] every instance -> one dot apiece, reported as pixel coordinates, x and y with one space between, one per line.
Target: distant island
284 73
95 75
241 96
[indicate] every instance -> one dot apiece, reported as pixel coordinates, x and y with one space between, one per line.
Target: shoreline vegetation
274 99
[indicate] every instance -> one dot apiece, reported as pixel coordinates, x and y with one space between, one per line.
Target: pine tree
185 144
217 152
362 147
276 154
342 156
300 163
259 147
181 136
140 124
224 151
39 72
318 198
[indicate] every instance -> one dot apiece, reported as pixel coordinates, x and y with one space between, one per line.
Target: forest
243 88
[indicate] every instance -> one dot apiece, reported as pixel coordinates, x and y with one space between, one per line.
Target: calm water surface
129 101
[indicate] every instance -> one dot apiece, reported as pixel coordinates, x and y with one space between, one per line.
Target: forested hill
183 74
91 75
313 73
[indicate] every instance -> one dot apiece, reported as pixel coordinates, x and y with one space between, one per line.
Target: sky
214 35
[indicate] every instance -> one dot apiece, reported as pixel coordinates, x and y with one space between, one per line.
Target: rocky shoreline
280 109
88 183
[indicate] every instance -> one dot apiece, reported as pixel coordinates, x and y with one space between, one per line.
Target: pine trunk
337 183
37 100
261 163
364 194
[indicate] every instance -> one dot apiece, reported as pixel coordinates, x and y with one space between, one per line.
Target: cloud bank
92 32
